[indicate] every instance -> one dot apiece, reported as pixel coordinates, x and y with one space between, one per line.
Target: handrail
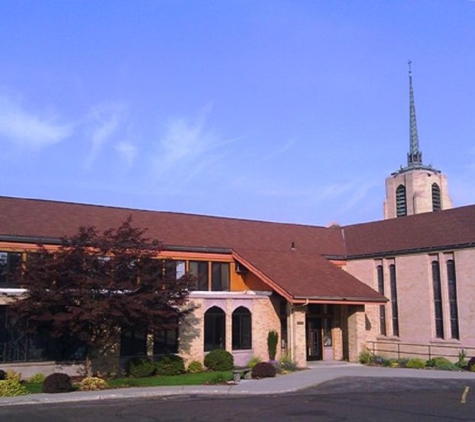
429 350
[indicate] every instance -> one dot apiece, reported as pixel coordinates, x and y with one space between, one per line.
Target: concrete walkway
316 373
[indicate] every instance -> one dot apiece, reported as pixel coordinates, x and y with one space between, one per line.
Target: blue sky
290 111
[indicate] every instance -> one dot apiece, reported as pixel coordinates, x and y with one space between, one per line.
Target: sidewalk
317 373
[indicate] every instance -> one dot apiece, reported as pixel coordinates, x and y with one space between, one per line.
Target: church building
399 287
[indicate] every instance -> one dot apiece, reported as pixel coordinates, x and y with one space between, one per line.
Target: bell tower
415 188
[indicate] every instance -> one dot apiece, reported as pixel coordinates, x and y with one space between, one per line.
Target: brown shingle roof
302 273
434 230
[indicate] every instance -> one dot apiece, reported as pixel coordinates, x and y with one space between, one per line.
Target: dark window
452 284
382 308
215 329
436 204
394 307
242 329
438 313
174 269
401 202
16 345
10 262
220 277
133 342
199 269
165 341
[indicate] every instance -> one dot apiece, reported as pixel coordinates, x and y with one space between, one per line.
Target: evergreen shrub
141 367
219 360
415 363
195 367
170 365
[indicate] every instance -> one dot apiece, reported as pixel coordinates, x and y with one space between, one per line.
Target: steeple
414 157
415 188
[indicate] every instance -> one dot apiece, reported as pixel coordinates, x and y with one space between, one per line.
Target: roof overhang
303 300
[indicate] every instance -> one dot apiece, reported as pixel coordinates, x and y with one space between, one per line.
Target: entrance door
314 339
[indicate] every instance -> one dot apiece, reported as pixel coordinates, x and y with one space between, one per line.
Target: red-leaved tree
96 284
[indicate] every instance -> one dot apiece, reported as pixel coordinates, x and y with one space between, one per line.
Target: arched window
215 329
436 205
401 202
242 329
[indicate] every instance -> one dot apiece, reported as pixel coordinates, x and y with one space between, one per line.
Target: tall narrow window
242 329
199 269
215 329
436 205
220 276
452 284
401 201
382 308
394 307
438 313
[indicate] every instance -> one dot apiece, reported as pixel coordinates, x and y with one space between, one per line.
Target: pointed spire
414 158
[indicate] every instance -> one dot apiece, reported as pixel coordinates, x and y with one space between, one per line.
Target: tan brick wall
298 337
264 319
416 302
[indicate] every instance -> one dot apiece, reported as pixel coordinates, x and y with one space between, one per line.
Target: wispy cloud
127 151
105 121
29 129
188 147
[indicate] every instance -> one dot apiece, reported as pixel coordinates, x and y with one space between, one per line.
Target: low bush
37 378
218 378
3 374
13 375
12 388
263 370
195 367
471 365
286 364
169 365
57 383
141 367
93 384
415 363
442 363
253 361
219 360
366 357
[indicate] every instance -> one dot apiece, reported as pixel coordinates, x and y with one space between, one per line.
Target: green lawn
167 380
155 381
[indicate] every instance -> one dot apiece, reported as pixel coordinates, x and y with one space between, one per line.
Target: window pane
215 329
220 280
10 262
199 269
242 329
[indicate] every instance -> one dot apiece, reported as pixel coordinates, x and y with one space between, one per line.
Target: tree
96 284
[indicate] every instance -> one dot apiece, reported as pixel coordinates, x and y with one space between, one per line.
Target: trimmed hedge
219 360
141 367
170 365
